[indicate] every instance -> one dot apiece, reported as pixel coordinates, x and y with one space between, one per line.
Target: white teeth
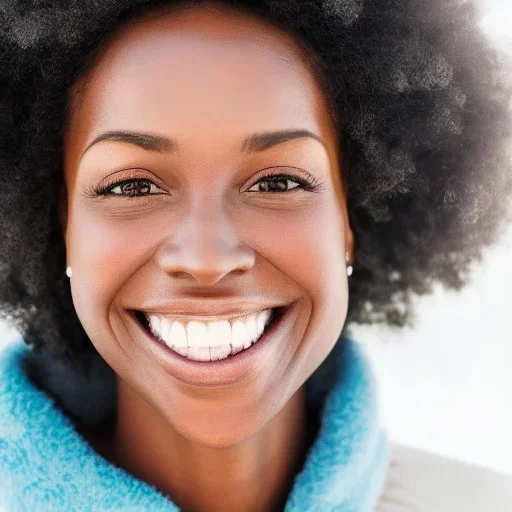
197 334
261 320
165 328
177 333
217 332
155 324
197 337
217 353
252 328
239 337
198 353
205 341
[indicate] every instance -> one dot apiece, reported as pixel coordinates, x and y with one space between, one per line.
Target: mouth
209 355
267 354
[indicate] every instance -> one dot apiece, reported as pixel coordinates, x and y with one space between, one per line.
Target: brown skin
200 234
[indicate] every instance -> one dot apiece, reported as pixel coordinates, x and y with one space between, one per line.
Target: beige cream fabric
418 481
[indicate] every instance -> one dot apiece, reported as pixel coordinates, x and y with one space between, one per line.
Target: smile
209 341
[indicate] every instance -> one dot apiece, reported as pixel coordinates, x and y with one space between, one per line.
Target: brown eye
279 183
131 188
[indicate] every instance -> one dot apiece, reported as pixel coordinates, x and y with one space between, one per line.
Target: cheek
314 247
103 253
307 251
322 268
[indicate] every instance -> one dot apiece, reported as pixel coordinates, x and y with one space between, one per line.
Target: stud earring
350 268
68 271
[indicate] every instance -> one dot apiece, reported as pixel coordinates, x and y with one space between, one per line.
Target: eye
279 183
132 187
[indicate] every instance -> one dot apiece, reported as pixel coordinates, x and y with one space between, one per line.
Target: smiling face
199 229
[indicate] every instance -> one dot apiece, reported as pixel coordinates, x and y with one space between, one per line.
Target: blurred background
446 385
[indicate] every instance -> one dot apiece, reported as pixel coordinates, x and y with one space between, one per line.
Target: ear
341 185
63 210
350 242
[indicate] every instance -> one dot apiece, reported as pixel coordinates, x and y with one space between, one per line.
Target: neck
256 474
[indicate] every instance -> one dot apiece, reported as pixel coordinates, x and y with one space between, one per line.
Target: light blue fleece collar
45 465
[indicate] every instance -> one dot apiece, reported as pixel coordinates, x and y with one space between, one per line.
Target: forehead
201 71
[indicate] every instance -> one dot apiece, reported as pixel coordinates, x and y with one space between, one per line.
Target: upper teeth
209 340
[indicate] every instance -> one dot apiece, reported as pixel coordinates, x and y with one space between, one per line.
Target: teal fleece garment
45 465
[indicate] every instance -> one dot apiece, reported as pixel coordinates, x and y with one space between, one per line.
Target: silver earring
68 271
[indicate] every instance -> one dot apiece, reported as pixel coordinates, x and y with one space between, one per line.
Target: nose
206 247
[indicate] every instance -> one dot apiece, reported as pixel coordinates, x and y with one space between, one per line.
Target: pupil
279 184
132 188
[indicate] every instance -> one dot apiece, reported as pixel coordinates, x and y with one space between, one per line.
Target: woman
217 179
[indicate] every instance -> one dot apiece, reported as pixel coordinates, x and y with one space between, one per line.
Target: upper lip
210 312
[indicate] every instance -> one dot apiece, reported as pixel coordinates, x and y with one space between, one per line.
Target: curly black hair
422 101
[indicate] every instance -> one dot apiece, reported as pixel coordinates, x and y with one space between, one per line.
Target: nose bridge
207 226
206 244
207 214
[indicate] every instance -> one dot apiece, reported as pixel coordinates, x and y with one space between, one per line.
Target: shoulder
421 481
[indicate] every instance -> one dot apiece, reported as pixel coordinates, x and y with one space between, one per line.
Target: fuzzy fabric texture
45 465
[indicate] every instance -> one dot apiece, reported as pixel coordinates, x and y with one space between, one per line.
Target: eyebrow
251 144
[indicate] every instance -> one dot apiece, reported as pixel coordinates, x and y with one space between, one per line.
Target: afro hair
423 106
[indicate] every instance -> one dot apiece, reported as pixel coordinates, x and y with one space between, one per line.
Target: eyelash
310 184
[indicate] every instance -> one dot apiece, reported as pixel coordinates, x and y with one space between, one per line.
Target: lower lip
243 365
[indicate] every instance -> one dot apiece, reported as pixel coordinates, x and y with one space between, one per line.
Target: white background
446 386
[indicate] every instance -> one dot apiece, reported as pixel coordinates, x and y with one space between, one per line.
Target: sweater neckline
45 464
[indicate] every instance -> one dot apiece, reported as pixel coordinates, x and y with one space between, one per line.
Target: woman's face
201 233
